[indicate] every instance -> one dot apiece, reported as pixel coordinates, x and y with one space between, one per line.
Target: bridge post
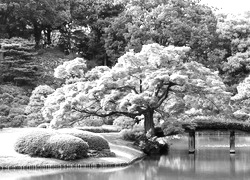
191 142
232 142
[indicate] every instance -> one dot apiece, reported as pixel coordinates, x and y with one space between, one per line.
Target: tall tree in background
178 23
10 24
43 15
94 16
241 101
234 38
37 15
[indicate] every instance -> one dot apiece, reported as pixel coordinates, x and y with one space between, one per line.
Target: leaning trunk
149 122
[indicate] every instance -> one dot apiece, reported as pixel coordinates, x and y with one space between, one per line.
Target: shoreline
27 162
125 156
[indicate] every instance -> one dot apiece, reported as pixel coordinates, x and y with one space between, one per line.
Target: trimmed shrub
102 129
13 101
33 110
172 128
47 143
11 91
21 99
124 122
34 143
6 98
17 121
4 110
91 122
34 119
95 142
4 120
67 147
108 120
132 134
16 111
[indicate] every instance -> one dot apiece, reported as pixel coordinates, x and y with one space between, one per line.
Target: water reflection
211 161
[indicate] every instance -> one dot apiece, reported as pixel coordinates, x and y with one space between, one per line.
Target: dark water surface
212 161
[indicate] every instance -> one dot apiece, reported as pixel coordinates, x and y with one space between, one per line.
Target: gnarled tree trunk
149 121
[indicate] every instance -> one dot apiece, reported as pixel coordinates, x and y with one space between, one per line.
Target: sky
229 6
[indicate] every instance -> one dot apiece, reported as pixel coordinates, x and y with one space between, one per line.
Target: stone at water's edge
155 146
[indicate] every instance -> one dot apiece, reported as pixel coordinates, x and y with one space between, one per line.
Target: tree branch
159 86
165 94
128 87
96 113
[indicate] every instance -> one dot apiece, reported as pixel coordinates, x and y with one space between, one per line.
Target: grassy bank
9 159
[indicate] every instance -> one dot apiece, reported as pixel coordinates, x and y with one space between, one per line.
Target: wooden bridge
191 142
231 127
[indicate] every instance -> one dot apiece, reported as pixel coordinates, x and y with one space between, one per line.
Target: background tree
94 16
240 102
10 24
137 85
177 23
37 15
234 39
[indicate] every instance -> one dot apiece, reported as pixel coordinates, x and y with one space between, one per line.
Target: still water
212 161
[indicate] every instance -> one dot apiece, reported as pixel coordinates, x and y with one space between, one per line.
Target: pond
211 161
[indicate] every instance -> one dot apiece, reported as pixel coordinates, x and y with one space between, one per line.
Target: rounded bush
34 143
2 126
95 142
4 119
47 143
91 122
17 110
67 147
124 122
6 98
132 134
4 110
34 119
18 121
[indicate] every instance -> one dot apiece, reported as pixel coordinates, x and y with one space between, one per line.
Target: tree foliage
33 109
235 41
177 23
95 16
241 101
137 85
35 16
